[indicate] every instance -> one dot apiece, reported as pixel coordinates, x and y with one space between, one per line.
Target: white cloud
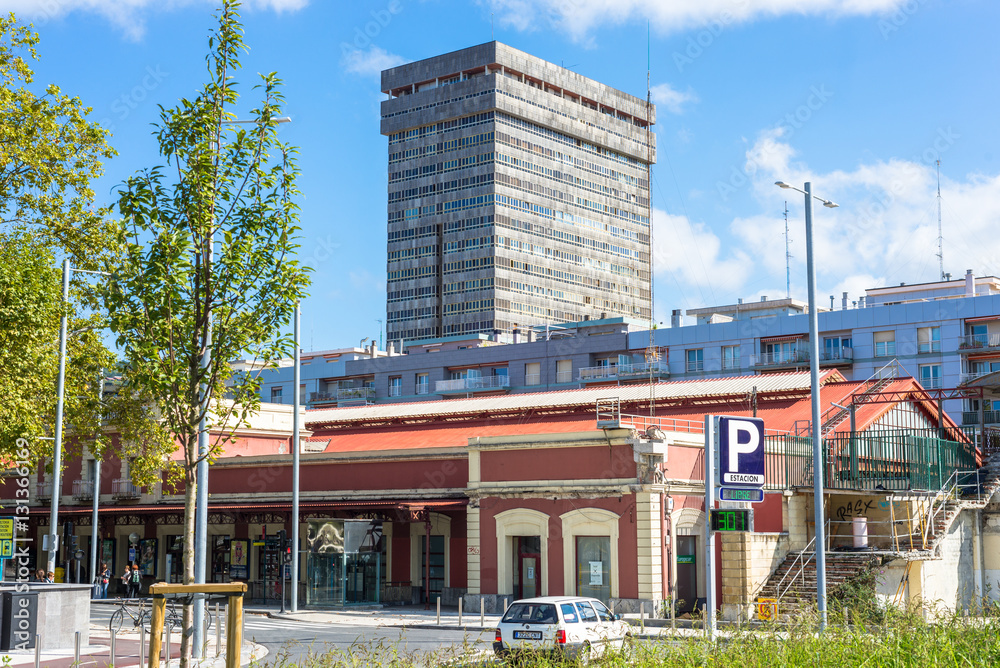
579 17
694 254
671 99
370 62
128 15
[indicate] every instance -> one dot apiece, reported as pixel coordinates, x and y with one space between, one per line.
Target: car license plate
527 635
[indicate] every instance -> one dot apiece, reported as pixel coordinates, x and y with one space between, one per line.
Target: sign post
734 451
709 534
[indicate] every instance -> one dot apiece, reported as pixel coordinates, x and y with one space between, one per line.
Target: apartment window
695 360
395 386
730 357
780 352
275 395
564 371
930 375
837 347
929 340
885 343
533 373
423 383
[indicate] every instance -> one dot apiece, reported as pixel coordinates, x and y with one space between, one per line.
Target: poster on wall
108 553
238 550
147 556
596 574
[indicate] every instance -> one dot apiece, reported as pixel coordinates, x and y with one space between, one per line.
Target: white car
571 625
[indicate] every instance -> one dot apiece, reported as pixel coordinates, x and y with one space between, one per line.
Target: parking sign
741 452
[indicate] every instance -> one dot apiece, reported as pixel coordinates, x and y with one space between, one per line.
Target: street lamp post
817 427
296 379
60 400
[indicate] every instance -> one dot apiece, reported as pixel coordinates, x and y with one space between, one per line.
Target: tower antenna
788 258
652 354
940 253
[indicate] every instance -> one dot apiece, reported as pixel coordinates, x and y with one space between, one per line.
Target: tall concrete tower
518 195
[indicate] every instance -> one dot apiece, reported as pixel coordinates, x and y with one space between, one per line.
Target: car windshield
603 612
531 613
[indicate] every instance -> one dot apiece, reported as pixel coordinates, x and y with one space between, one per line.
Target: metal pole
218 631
114 654
57 447
76 649
709 536
38 650
817 426
95 534
201 497
296 374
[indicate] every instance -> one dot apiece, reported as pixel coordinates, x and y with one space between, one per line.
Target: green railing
889 460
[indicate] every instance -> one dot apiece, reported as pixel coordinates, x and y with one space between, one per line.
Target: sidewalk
98 653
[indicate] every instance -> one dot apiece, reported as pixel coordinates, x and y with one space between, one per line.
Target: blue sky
859 96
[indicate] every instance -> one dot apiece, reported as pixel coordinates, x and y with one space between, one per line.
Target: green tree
49 153
209 263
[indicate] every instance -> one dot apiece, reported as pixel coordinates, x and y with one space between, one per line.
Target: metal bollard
38 651
505 604
166 645
76 649
218 631
114 659
642 617
142 645
482 612
439 611
459 611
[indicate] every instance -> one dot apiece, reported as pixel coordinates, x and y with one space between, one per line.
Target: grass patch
900 641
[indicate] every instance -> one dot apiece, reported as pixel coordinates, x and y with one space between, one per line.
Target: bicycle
175 619
139 619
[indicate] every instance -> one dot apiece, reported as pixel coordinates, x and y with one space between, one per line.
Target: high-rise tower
518 195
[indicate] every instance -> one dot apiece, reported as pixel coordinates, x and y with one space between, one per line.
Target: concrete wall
63 609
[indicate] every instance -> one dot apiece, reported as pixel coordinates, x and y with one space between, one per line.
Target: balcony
972 417
785 358
83 490
472 384
974 343
122 488
927 347
43 490
532 379
836 357
395 390
423 388
343 394
640 371
564 376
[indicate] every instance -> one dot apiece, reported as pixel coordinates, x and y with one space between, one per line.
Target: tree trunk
190 494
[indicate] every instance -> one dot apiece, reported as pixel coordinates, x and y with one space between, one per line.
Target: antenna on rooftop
788 258
491 26
652 354
940 253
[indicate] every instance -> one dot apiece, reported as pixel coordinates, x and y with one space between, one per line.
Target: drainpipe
666 568
427 560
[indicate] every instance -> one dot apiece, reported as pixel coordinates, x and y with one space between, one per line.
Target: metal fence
881 460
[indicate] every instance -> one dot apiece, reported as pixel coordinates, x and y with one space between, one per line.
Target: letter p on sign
741 451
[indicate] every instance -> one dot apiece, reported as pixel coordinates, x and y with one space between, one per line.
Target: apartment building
518 193
944 334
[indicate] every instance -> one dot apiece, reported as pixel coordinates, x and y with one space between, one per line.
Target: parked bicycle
140 618
174 617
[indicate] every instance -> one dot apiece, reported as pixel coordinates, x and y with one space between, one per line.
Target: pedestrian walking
104 579
127 581
136 581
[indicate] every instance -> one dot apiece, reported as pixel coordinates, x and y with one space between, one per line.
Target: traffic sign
741 451
767 609
750 494
6 537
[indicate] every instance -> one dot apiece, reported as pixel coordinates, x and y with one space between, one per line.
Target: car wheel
586 653
628 646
